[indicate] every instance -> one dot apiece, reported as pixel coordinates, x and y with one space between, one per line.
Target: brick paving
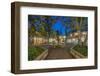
59 53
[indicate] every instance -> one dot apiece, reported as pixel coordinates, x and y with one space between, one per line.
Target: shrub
58 46
81 49
33 52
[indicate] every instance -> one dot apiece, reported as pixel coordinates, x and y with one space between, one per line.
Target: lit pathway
60 53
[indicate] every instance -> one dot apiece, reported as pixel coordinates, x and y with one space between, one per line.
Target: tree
68 23
53 35
57 36
84 27
81 26
33 23
31 34
48 23
43 32
78 28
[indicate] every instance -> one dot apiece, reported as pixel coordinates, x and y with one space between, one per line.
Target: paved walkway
60 53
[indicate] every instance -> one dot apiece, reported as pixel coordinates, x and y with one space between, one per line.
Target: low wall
76 54
43 55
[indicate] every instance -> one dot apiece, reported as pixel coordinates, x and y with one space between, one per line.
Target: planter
77 54
43 55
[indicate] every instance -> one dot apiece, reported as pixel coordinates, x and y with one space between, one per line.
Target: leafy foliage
33 52
81 49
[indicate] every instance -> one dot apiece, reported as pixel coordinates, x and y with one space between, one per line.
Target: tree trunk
48 37
66 40
85 41
31 40
80 42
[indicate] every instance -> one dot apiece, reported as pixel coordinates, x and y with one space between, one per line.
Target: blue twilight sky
58 26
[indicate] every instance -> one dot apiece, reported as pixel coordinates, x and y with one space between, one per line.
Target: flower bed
81 49
34 52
